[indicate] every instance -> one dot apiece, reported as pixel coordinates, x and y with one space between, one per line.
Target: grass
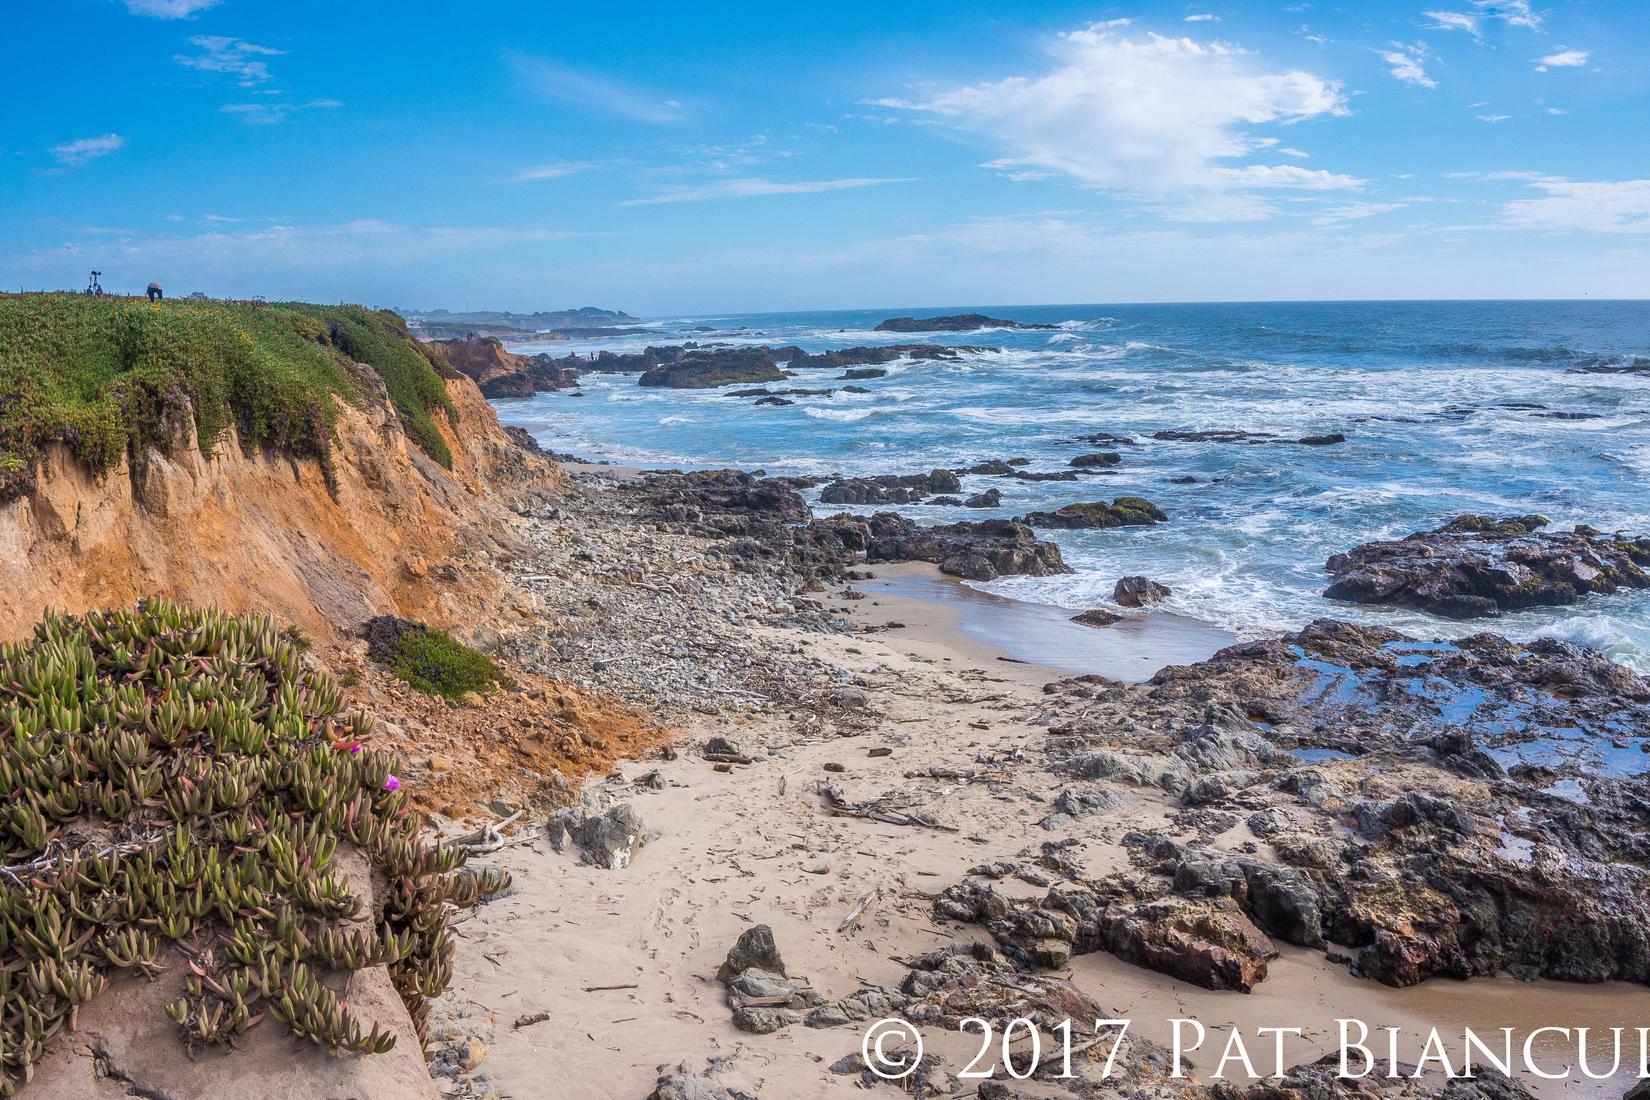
95 374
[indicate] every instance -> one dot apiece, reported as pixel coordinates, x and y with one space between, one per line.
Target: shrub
174 775
430 660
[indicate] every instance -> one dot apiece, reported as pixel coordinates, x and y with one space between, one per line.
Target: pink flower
392 784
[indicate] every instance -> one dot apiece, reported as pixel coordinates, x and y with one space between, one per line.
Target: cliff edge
313 463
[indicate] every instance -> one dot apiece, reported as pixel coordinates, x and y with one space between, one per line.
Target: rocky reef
1422 809
764 519
1475 566
952 322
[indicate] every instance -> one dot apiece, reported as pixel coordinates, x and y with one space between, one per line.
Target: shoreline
937 716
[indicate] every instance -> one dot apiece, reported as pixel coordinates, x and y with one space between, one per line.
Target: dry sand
618 967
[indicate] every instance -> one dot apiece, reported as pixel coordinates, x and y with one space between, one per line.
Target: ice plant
175 780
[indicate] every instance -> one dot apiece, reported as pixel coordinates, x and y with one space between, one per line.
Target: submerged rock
1477 566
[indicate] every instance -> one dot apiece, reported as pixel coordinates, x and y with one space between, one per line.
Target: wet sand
966 619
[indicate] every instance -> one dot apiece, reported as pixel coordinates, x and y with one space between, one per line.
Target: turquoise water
1447 408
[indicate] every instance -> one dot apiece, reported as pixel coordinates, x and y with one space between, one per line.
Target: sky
675 159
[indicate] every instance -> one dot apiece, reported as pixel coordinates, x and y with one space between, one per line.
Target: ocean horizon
1447 407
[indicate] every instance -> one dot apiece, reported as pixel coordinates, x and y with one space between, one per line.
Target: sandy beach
585 982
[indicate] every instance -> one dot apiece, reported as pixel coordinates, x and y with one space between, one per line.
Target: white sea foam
841 416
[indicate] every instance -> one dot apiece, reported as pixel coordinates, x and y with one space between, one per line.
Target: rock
976 551
1235 436
756 949
683 1086
1138 592
770 400
1211 945
1098 460
991 498
957 322
890 488
607 839
859 373
1476 566
1121 512
708 368
1098 616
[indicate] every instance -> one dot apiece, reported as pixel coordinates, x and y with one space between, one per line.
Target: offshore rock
1121 512
1477 566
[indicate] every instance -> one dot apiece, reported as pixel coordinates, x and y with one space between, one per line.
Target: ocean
1447 407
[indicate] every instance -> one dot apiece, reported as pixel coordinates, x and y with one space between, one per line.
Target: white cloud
555 171
550 80
1563 59
82 150
169 9
1408 64
221 54
1514 13
1150 118
1203 17
1453 21
749 188
1493 118
1557 111
1619 206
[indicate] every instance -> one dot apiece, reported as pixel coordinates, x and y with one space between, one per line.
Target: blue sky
676 159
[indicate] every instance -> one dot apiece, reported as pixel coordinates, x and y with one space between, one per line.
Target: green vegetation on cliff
96 373
179 788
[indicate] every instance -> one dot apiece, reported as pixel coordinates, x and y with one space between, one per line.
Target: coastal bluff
368 519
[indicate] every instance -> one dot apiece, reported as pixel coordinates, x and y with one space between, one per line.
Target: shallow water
1447 408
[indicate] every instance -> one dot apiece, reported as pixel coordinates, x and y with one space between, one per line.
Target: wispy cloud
550 80
270 112
169 9
1202 17
555 171
82 150
237 57
751 188
1606 206
1353 211
1493 118
1148 118
1563 59
1408 64
1453 21
1513 13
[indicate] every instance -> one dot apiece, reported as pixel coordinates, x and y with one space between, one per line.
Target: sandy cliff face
378 528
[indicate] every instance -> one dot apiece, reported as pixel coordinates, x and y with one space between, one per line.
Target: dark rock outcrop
954 322
711 367
1121 512
890 488
1477 566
